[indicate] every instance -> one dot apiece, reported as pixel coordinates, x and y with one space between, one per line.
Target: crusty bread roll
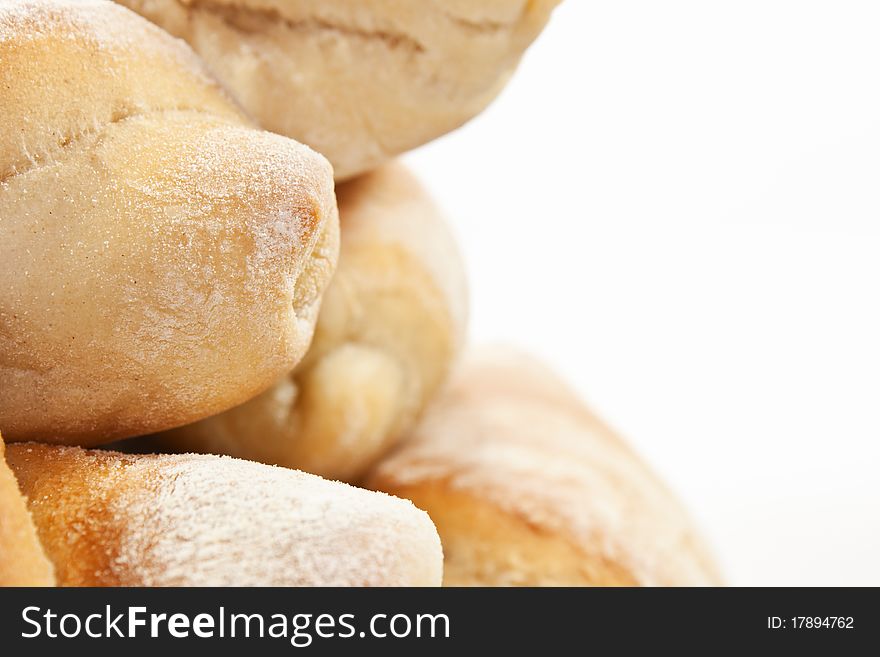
527 487
22 560
358 81
162 260
391 323
111 519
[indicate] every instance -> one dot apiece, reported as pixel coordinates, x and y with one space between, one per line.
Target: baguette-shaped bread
22 560
359 81
390 326
161 259
528 488
111 519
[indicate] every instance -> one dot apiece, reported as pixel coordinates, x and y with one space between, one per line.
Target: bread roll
22 560
111 519
162 260
358 81
527 487
391 323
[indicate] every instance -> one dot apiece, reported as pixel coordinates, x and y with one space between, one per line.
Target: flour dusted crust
527 487
22 560
390 326
162 259
111 519
358 81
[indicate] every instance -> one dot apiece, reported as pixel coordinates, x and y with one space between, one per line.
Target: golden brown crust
110 519
390 326
527 487
358 81
162 259
22 560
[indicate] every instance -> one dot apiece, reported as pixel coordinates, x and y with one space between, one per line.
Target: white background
677 204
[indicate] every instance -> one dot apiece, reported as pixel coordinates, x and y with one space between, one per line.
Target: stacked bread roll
528 487
265 332
22 560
